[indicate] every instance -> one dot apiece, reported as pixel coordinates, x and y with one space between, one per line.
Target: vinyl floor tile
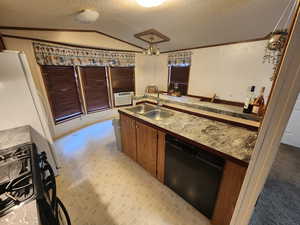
100 185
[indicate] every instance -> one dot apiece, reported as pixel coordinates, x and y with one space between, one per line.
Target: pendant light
152 37
151 50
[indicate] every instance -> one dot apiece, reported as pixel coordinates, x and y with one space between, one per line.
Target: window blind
122 79
95 88
63 95
179 75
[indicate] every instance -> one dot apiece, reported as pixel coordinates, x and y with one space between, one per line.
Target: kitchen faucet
159 104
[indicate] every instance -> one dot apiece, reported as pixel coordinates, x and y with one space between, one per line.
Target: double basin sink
151 112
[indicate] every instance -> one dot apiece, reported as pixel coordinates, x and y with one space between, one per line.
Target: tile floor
101 186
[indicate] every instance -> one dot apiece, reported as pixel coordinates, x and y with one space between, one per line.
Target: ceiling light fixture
152 37
150 3
151 50
87 16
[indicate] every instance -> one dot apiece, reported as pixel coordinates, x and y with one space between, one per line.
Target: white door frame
281 104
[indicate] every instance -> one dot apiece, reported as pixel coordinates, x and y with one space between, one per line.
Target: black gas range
25 176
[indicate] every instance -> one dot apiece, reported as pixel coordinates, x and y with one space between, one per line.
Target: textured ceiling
188 23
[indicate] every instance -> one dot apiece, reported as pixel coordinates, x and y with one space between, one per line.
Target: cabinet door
147 147
233 178
128 134
161 150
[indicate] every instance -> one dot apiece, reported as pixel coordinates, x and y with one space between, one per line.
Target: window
63 94
95 88
179 76
122 79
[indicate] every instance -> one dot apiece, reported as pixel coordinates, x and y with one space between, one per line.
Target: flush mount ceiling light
87 16
150 3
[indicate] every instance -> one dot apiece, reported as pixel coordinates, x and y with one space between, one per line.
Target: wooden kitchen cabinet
128 136
233 178
161 152
146 147
144 144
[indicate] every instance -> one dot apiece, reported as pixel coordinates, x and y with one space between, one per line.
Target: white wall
225 70
291 134
151 70
228 71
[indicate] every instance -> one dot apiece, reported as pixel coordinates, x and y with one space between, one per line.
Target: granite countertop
233 141
14 137
26 213
195 103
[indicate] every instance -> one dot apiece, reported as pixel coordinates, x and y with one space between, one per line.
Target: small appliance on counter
27 176
151 89
174 90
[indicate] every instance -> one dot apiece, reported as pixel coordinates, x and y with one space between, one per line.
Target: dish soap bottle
248 105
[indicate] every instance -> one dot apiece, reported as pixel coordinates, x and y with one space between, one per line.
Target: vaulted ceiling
188 23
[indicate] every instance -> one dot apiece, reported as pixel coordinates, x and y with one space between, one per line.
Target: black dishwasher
193 173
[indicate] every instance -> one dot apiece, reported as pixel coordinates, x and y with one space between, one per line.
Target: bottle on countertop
259 103
248 105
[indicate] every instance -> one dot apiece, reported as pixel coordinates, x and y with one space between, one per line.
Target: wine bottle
248 105
259 103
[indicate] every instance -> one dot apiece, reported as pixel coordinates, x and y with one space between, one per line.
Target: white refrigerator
20 102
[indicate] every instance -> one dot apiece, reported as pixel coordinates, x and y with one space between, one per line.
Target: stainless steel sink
141 109
158 114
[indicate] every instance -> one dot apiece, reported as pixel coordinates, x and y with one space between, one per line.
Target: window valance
180 58
67 56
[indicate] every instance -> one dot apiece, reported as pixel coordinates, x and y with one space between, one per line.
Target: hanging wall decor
67 56
277 39
274 50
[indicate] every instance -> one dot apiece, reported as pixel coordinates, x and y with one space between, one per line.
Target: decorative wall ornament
68 56
180 58
274 50
277 39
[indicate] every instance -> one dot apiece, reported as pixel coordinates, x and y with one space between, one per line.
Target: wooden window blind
95 88
179 75
122 79
62 89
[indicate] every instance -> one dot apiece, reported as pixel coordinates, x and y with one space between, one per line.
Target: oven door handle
63 210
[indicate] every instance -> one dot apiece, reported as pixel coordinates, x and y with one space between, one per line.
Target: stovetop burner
16 183
14 154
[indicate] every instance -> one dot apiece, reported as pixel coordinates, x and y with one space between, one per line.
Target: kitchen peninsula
144 130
